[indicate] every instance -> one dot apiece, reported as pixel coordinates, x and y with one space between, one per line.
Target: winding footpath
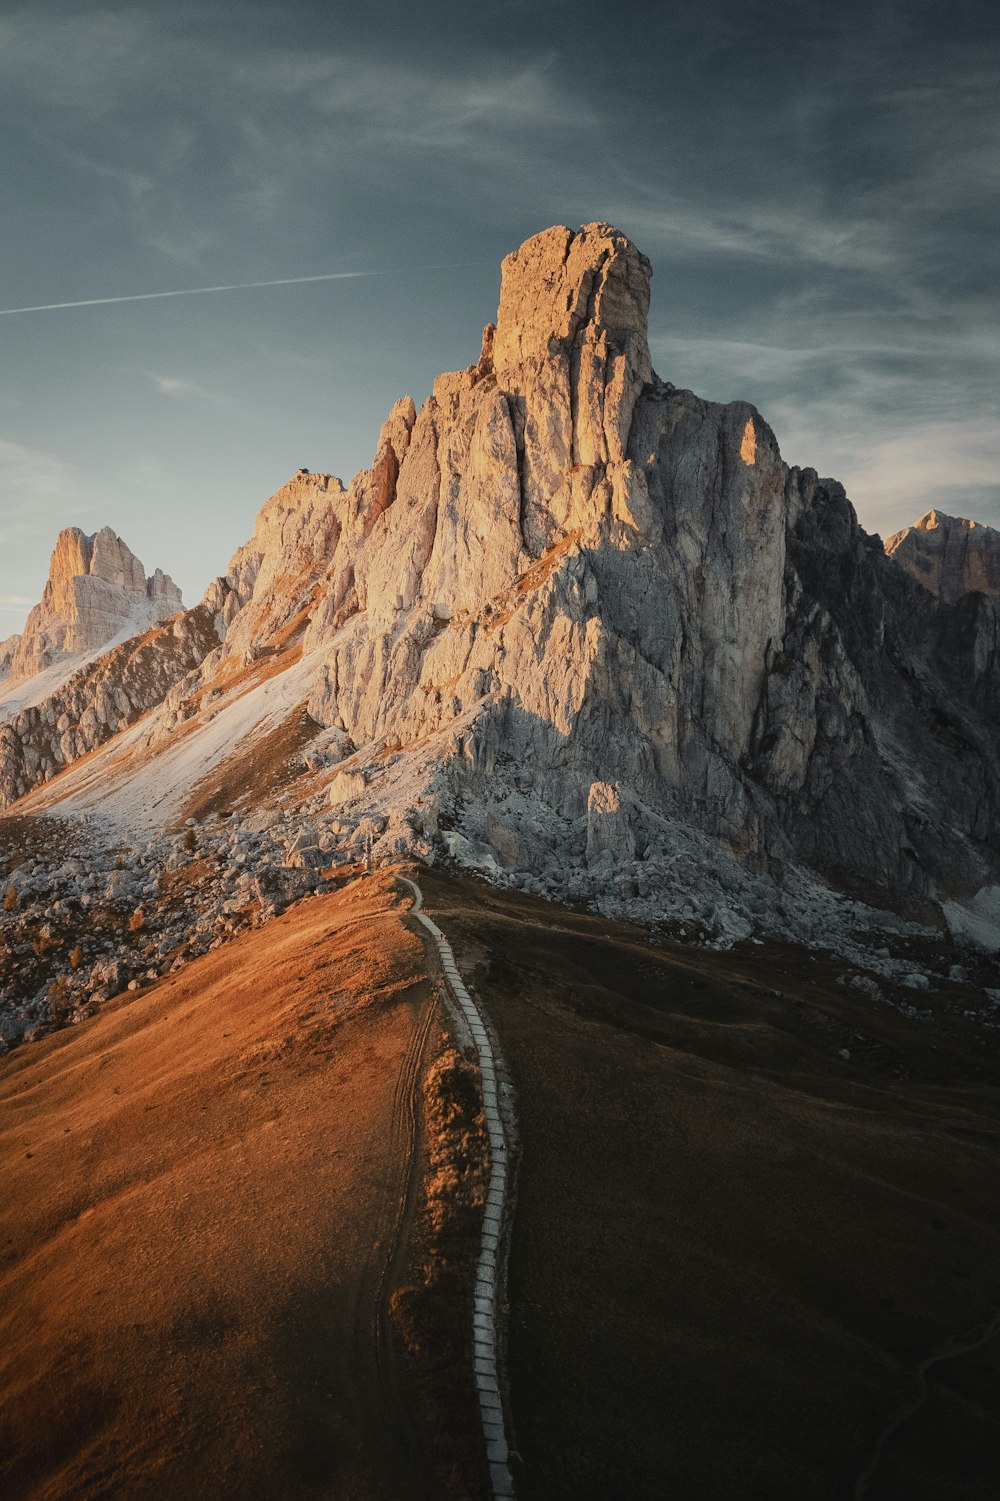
913 1404
488 1272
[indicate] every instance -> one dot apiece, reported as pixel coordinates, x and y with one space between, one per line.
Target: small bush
10 899
136 921
75 956
60 1000
41 944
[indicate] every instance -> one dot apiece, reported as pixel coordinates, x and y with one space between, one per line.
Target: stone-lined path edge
490 1267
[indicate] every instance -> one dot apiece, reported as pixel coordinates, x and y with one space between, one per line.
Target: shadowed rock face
951 557
589 606
96 588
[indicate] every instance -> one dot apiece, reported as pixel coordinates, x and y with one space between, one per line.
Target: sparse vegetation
98 923
61 1001
42 943
428 1312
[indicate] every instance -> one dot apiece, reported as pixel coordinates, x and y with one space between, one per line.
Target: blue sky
816 186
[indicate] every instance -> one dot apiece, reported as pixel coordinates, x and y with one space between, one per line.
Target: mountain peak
949 555
563 289
96 588
575 626
570 352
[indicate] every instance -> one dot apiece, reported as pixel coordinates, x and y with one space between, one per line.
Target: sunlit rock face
579 625
101 698
103 646
587 558
564 574
569 354
274 575
96 589
600 579
951 557
529 551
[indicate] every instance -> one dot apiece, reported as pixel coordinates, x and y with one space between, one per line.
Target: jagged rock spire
96 588
570 348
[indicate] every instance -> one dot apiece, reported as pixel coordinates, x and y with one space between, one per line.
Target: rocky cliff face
588 631
62 697
96 589
586 576
99 700
273 577
951 557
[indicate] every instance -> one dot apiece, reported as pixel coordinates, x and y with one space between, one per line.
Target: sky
816 186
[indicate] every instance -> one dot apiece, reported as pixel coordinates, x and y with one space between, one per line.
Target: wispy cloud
874 413
31 479
179 387
14 601
195 128
15 608
895 476
815 186
39 494
782 233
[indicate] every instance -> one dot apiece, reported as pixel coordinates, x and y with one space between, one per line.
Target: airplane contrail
236 286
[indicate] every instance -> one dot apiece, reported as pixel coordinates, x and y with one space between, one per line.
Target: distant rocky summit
949 555
103 645
96 589
588 633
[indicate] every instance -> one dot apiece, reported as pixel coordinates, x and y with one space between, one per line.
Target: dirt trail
499 1116
723 1228
912 1404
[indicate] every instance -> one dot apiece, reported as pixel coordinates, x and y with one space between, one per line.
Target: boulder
609 838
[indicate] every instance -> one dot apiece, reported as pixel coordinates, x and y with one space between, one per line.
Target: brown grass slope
201 1189
732 1247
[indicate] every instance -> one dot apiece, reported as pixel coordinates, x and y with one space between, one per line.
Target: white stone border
484 1320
